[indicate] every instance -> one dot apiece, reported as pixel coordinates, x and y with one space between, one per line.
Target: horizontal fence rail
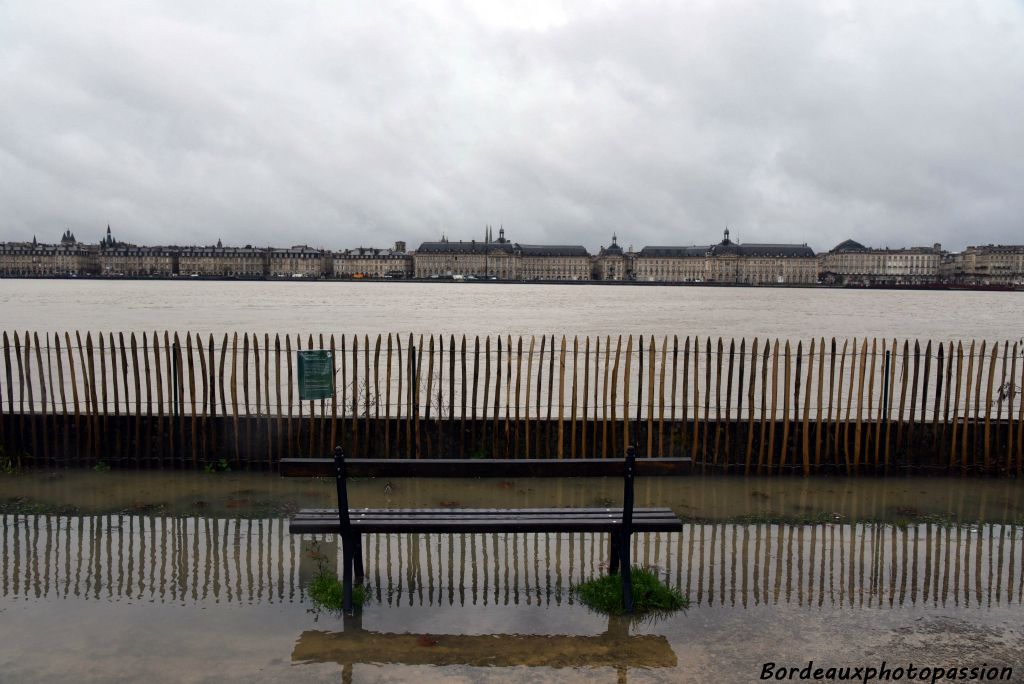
201 560
752 406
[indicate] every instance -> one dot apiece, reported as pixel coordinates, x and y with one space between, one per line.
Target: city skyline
487 233
387 241
500 258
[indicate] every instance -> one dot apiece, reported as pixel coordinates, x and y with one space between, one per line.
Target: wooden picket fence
760 406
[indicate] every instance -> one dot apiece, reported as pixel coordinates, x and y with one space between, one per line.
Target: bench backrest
339 468
482 467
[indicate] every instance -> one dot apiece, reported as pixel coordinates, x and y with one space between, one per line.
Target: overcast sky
340 124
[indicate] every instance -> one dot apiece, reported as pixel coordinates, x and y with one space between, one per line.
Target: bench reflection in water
198 560
613 648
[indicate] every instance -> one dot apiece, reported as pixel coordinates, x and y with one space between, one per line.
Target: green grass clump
650 595
327 592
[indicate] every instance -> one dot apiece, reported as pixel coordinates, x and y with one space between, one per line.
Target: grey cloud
360 124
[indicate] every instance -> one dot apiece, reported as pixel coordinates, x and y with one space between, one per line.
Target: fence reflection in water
237 561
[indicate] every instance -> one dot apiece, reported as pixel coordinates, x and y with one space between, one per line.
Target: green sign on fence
316 374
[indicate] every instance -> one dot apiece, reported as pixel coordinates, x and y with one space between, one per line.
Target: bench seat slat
484 520
497 512
423 522
489 468
484 526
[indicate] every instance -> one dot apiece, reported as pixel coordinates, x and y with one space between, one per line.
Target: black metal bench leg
347 555
357 557
626 574
625 562
613 555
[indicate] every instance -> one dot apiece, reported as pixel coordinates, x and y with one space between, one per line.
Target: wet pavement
107 591
233 494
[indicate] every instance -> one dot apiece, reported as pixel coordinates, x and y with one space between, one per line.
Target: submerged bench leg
346 556
626 574
357 557
613 553
627 530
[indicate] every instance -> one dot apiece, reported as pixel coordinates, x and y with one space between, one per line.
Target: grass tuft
327 593
650 595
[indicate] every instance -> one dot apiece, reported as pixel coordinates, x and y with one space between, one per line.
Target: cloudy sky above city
348 124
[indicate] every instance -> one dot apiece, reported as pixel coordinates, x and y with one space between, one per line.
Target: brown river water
194 577
513 309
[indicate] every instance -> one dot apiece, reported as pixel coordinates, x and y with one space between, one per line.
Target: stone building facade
728 262
298 261
671 264
501 260
133 261
223 262
762 263
121 260
852 263
992 265
34 259
553 262
372 262
613 264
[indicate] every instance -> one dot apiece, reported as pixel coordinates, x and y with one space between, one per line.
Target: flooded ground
209 599
895 499
124 577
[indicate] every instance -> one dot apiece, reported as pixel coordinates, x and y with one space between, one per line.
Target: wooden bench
351 523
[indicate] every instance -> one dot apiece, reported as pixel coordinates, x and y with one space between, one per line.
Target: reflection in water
614 648
127 557
195 559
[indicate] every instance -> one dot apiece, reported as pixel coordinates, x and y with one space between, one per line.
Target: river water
506 309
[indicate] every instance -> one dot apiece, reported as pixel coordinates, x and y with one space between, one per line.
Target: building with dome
500 259
851 263
728 262
611 263
40 260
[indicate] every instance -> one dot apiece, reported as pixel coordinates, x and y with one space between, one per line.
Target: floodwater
185 577
697 498
126 597
500 308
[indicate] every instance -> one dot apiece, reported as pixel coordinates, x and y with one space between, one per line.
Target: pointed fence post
885 404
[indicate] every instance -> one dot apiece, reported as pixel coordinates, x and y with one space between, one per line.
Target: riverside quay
497 258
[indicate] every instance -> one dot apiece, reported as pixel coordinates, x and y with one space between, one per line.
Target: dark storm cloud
345 124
